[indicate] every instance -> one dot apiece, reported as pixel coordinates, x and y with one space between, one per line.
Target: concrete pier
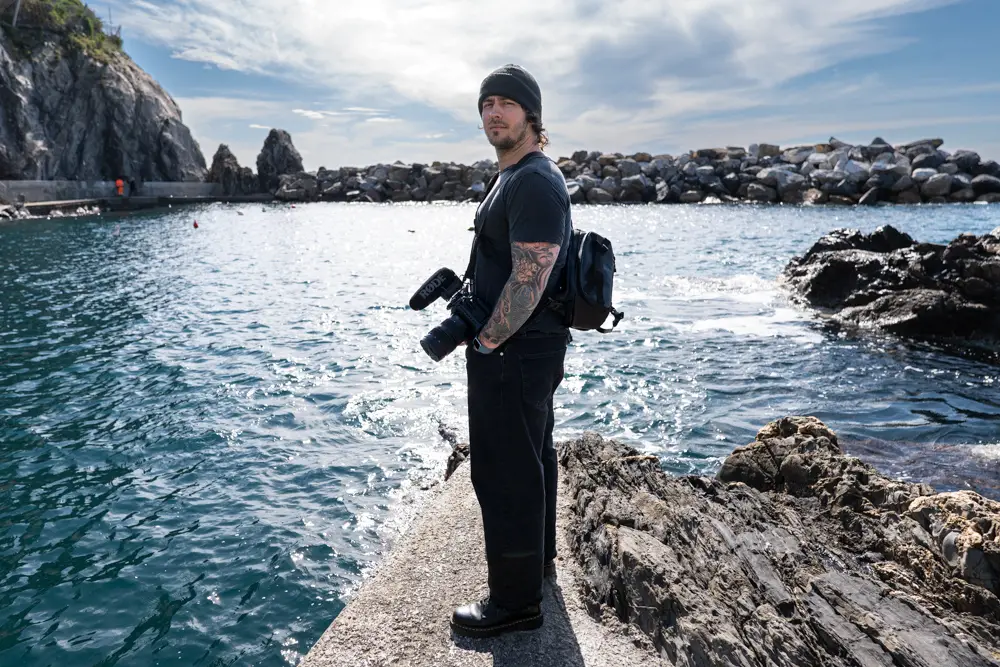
401 615
41 198
116 204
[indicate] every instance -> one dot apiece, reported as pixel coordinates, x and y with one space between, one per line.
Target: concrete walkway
137 203
401 615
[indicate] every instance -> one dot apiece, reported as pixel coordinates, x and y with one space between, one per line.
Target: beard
506 143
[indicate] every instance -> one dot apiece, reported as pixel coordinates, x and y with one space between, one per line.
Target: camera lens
444 338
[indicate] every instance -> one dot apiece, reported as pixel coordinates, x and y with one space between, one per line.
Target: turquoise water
207 435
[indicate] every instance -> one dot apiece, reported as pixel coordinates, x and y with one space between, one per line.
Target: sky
360 83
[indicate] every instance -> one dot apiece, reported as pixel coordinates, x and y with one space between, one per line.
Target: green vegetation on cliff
82 28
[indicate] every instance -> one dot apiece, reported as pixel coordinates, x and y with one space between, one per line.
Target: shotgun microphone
444 283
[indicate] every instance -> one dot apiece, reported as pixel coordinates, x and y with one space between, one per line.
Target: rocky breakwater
833 172
75 107
280 173
396 182
888 281
795 554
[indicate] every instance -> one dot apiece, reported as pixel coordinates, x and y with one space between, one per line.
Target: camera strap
475 241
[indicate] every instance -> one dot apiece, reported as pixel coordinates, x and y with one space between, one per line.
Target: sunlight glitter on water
224 429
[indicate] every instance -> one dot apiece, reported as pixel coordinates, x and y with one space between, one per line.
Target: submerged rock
795 555
888 281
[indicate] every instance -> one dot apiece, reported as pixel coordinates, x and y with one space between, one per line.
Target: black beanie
512 82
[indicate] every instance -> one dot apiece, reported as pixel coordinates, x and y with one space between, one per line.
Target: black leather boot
488 619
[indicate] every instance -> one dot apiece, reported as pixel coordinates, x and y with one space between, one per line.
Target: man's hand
532 267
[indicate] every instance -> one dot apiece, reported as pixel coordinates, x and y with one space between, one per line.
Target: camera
469 315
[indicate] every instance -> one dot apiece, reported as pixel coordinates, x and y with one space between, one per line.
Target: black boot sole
521 624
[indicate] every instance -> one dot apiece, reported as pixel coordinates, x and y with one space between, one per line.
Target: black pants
513 461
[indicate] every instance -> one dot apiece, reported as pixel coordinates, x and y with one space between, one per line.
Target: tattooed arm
532 267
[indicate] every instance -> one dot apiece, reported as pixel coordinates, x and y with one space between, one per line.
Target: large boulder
226 171
795 554
886 281
938 185
298 187
762 193
985 184
599 196
923 175
277 158
691 196
928 161
628 167
966 161
783 181
764 150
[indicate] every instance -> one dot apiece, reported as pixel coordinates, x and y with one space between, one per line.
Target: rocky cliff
67 112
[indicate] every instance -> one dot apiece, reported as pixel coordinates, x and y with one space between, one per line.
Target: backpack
585 297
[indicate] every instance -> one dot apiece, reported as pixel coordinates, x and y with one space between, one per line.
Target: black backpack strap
475 241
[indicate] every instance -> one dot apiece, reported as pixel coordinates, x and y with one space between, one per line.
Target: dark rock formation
68 116
888 281
226 170
277 158
796 555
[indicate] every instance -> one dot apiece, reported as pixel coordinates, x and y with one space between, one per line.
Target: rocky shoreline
833 172
795 554
887 281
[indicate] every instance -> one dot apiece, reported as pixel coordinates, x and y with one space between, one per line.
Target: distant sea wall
833 172
40 191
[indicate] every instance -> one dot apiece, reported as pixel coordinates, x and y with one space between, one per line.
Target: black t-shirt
529 203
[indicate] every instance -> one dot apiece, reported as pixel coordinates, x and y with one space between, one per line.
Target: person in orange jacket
120 185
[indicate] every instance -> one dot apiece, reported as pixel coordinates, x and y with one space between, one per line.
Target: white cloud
211 108
613 74
373 143
347 112
437 51
315 115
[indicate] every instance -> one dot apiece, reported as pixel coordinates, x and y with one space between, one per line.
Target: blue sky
381 80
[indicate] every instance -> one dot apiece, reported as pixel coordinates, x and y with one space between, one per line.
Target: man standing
515 363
